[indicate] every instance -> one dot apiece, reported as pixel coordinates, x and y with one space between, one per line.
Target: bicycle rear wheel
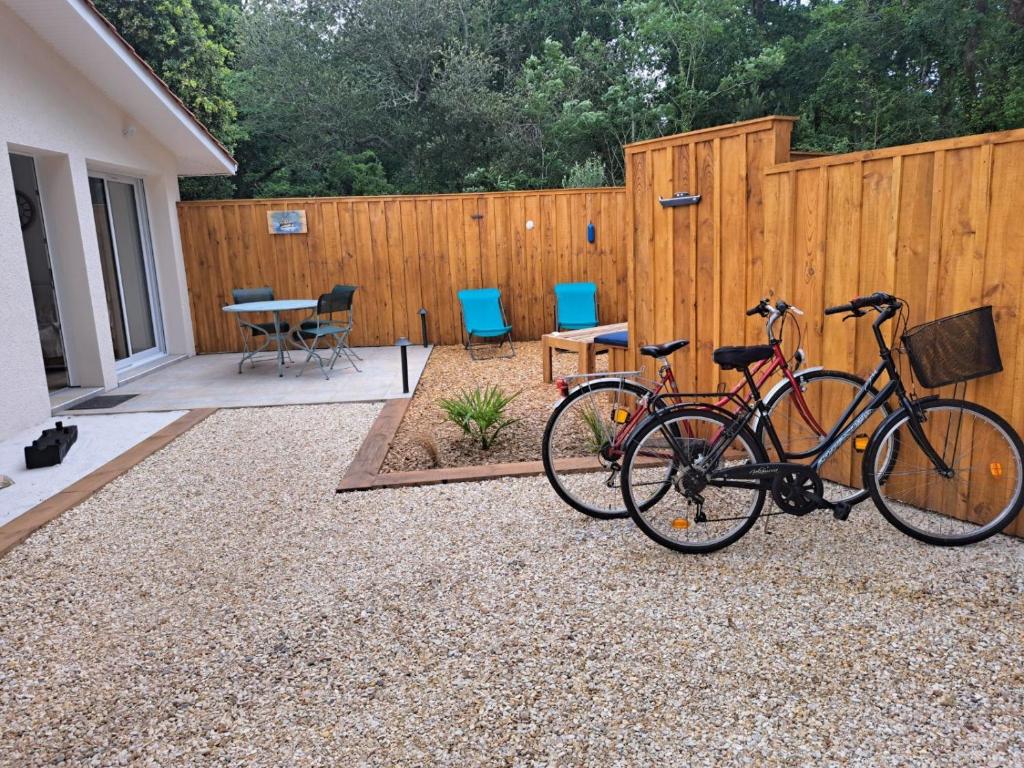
676 445
980 496
578 450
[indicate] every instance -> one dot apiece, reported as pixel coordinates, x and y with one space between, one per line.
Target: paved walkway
213 381
100 439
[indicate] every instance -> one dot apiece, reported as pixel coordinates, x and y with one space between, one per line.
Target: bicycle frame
848 423
754 380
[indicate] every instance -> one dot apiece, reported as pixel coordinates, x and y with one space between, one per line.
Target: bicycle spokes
583 445
971 490
668 481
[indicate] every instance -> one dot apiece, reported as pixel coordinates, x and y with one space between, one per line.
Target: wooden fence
694 266
409 252
938 223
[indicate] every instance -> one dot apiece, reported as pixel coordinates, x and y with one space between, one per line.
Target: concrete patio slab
213 381
100 439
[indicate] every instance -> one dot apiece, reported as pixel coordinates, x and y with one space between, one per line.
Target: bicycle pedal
841 511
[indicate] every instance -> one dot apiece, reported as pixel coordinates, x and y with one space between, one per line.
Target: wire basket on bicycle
954 349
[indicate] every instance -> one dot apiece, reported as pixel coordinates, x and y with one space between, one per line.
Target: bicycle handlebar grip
839 308
875 299
758 309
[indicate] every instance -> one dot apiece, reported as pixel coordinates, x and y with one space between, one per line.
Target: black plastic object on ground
51 447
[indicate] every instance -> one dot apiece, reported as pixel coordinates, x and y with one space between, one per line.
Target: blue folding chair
484 318
575 306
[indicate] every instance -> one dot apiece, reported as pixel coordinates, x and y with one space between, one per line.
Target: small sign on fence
286 222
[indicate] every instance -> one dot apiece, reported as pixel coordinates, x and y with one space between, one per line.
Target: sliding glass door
126 255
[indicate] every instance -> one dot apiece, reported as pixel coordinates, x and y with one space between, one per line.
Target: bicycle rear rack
624 375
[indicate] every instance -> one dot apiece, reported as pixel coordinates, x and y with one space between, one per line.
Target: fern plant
480 413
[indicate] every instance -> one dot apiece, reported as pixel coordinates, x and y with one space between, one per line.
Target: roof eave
223 162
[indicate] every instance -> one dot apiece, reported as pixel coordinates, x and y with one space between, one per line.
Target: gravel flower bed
425 440
214 608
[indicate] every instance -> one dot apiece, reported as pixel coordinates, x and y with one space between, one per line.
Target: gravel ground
207 609
425 433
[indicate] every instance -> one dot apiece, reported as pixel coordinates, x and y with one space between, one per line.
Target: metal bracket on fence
679 199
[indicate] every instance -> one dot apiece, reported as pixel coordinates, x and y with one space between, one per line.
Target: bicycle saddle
740 357
663 350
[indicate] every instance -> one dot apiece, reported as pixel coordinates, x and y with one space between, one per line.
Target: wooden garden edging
23 526
364 472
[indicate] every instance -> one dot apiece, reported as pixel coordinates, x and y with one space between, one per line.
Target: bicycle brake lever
855 314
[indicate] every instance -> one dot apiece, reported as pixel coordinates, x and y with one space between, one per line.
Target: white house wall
53 112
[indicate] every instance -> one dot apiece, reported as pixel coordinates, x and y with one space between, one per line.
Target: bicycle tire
584 390
889 509
660 421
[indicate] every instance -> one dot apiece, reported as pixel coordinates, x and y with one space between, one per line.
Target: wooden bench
580 342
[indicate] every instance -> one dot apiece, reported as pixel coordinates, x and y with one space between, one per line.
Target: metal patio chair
323 326
347 293
251 331
483 317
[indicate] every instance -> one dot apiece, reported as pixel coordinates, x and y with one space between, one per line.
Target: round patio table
276 308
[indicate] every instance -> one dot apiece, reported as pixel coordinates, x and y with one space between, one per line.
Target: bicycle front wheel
581 449
695 514
978 496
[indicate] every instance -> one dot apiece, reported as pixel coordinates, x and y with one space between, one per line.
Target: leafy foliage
589 173
190 45
480 413
368 96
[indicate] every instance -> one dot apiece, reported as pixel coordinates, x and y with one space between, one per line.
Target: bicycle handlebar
761 308
877 299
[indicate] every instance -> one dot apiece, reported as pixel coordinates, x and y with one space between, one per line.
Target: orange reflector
860 443
996 468
620 415
680 522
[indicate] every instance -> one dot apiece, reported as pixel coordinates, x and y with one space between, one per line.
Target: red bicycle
589 429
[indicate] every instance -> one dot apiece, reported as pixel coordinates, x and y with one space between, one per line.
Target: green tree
870 73
189 44
369 96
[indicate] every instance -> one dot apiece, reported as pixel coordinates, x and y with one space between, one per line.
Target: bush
480 413
589 173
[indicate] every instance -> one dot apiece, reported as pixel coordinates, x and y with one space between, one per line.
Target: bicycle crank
797 490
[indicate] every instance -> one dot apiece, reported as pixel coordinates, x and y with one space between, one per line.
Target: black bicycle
941 469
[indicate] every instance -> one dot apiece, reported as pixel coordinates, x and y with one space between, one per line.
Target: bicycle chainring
794 491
